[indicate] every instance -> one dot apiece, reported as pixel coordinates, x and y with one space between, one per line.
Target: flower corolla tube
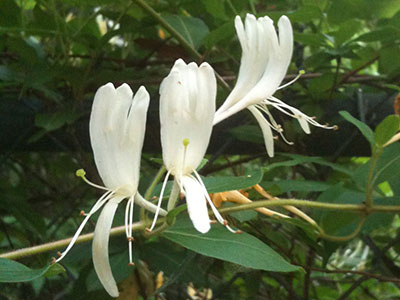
187 107
117 127
264 63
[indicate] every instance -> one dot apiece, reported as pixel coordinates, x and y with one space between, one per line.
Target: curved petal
266 130
100 247
196 204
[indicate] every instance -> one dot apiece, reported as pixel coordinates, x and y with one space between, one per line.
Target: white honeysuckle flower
264 63
117 128
187 107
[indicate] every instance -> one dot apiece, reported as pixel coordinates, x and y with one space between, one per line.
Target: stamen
159 201
103 199
81 173
214 209
128 225
301 72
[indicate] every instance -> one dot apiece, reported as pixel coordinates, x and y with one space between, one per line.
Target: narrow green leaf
364 128
387 129
12 271
242 249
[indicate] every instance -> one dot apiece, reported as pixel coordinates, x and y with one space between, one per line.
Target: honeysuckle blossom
264 63
117 127
187 107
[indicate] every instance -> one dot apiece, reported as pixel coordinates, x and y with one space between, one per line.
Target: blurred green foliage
55 54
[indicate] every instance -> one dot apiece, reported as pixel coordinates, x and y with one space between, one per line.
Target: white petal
266 130
100 247
99 127
303 123
139 200
187 106
196 204
262 67
117 126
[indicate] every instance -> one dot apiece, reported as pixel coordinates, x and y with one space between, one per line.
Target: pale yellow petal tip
185 142
80 173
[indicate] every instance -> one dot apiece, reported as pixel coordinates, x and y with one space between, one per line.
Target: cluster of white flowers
187 116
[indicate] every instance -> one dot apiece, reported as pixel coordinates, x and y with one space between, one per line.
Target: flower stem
154 183
369 198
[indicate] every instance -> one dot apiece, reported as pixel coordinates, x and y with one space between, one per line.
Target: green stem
312 204
154 183
333 238
65 242
369 197
139 226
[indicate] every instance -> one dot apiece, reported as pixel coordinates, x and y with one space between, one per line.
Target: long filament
159 200
103 199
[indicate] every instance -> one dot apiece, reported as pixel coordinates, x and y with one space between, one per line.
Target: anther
154 198
302 72
82 213
147 230
181 195
276 137
225 223
213 221
239 232
335 127
59 253
131 264
53 260
130 238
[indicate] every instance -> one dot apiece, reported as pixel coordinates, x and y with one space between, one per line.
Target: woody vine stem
140 226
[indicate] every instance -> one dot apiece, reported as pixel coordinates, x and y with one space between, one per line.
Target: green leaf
387 129
166 257
219 35
364 128
389 60
10 14
248 133
193 30
242 249
296 159
12 271
222 183
297 185
386 169
215 8
56 120
230 183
